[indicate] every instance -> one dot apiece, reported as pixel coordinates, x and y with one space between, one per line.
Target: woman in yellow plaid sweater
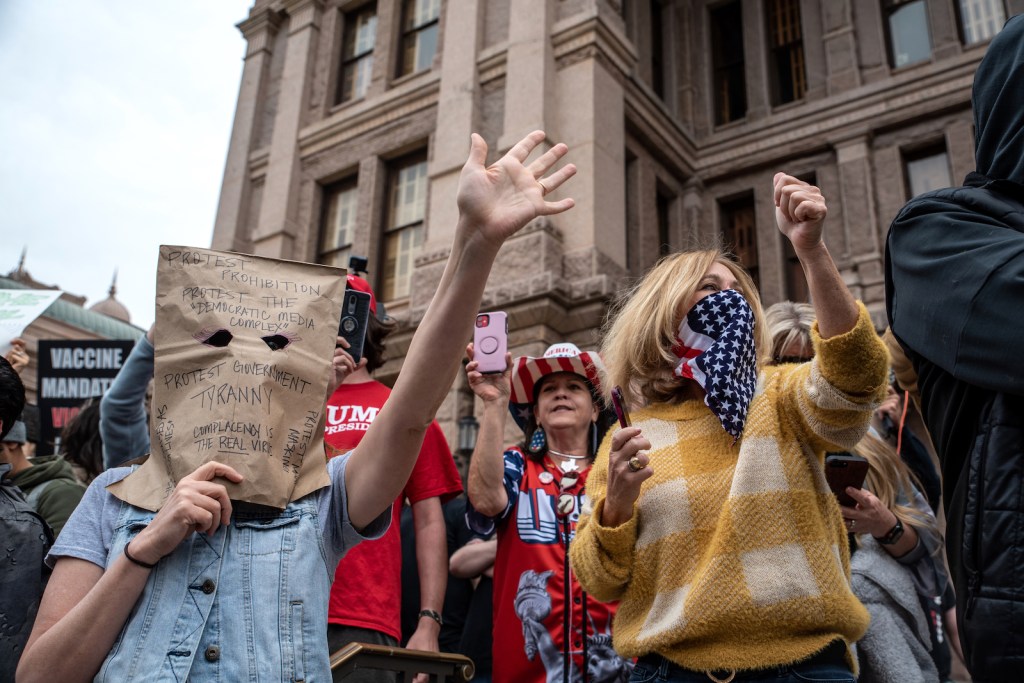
709 518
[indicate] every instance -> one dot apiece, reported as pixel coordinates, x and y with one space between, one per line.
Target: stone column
755 59
693 192
457 116
277 228
228 227
530 69
861 248
840 41
960 147
814 49
945 34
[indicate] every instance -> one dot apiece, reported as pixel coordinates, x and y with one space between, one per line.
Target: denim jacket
247 604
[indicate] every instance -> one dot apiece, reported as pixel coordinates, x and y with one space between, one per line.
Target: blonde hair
887 476
789 322
643 323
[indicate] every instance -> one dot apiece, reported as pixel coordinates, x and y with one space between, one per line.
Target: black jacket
955 299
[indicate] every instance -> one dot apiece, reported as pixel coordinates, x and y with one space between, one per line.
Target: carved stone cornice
355 120
303 13
259 29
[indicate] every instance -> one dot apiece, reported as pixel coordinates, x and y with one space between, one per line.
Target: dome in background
111 306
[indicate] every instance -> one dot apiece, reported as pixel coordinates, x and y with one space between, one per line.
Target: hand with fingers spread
492 386
501 198
198 504
628 469
800 211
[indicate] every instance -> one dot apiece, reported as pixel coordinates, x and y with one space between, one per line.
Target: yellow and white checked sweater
736 555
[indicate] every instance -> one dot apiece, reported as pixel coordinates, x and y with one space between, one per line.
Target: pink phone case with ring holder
490 341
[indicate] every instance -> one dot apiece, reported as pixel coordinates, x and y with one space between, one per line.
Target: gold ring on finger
634 464
543 188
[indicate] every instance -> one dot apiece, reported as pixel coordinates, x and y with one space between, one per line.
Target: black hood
998 101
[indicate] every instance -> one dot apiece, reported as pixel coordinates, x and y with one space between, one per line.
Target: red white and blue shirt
531 603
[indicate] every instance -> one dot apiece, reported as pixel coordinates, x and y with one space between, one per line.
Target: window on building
909 36
739 233
730 85
339 223
980 19
403 237
419 35
927 170
785 39
359 33
658 27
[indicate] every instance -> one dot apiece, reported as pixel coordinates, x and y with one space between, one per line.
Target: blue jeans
657 669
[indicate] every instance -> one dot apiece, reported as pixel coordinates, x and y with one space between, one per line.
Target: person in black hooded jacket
967 348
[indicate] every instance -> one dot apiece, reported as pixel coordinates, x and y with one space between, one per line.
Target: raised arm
494 203
486 485
800 212
123 426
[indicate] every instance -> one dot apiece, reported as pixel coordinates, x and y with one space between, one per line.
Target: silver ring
543 188
634 464
853 523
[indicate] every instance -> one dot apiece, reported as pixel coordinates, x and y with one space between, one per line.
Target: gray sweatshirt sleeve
123 425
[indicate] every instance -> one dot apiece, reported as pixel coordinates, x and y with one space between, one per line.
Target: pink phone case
490 341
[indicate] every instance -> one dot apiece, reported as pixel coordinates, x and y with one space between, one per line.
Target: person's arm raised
494 203
486 485
800 212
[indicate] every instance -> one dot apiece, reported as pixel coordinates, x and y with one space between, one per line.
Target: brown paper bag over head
243 360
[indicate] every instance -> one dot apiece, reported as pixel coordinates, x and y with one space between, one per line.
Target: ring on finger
543 188
634 464
852 522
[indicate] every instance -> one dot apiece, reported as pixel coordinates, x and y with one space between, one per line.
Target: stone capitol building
353 122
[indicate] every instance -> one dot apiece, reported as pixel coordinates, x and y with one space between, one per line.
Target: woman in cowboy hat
545 627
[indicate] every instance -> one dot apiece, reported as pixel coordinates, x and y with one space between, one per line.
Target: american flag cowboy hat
565 357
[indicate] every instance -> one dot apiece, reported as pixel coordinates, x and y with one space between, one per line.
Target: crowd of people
694 537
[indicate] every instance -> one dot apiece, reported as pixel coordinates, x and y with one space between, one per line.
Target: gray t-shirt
88 533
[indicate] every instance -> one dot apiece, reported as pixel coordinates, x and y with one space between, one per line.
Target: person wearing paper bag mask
100 614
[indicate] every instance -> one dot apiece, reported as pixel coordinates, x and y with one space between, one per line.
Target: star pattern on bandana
716 349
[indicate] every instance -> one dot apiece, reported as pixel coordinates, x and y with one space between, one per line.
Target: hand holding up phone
489 386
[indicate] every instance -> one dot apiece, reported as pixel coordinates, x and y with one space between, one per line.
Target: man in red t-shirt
366 596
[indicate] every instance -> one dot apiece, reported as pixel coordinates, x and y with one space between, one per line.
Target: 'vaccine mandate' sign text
71 372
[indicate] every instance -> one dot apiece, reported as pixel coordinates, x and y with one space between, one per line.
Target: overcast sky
114 125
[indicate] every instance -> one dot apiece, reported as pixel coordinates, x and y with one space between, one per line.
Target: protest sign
70 372
243 359
18 308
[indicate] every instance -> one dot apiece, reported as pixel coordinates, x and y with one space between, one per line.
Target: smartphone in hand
355 317
490 341
620 407
842 470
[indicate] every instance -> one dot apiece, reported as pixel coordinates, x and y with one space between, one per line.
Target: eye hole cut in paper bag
243 360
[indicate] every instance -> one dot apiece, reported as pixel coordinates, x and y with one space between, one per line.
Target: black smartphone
620 408
842 470
355 315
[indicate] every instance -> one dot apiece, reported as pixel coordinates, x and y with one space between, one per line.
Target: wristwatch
432 614
895 534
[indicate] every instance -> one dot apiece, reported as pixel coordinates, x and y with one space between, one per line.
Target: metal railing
440 666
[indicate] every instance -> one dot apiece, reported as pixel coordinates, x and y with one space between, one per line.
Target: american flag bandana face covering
715 347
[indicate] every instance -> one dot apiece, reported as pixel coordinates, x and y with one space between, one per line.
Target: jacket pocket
266 536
